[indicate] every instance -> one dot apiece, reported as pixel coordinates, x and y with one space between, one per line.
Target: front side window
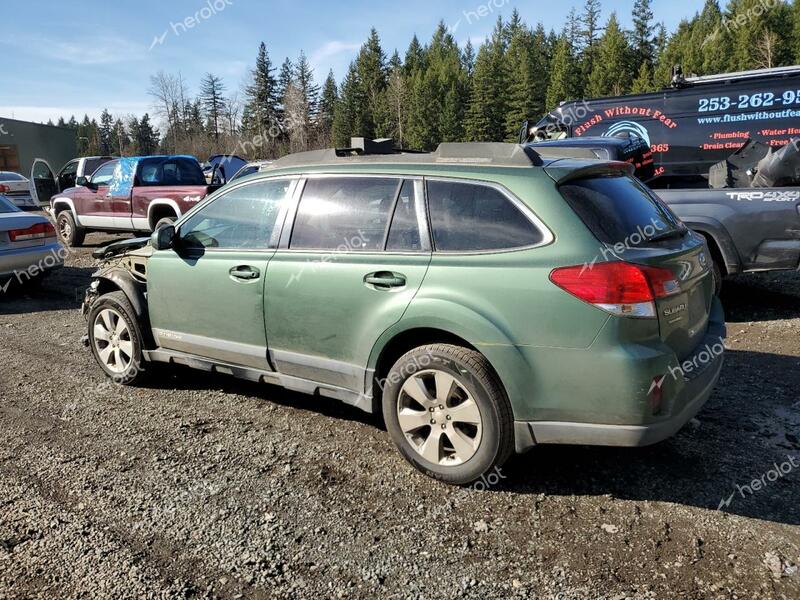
67 176
471 217
244 218
348 213
104 174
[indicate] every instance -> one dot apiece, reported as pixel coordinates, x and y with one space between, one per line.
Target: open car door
44 184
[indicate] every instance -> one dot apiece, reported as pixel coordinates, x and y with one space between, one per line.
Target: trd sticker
772 196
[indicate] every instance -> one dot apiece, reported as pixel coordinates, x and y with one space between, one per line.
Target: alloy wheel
439 417
112 340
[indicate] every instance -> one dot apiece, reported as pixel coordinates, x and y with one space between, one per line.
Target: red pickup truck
136 194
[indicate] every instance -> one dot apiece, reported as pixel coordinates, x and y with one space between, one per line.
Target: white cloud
331 49
97 50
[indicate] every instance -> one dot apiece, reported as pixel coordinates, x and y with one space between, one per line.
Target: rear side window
404 231
344 213
170 171
615 208
473 217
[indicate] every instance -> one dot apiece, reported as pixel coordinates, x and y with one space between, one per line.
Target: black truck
722 151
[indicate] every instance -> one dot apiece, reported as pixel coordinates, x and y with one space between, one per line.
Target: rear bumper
693 387
26 263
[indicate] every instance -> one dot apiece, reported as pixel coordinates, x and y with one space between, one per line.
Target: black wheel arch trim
713 229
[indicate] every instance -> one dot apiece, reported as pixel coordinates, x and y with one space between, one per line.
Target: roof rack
752 74
379 152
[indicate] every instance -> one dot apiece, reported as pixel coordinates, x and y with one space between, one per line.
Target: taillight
36 232
620 288
4 189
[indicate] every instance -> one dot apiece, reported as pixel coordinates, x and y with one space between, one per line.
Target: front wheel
448 414
115 338
68 231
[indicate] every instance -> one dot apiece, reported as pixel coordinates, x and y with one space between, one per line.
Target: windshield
615 208
9 176
6 206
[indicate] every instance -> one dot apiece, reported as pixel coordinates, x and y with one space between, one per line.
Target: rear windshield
615 208
170 171
9 176
6 206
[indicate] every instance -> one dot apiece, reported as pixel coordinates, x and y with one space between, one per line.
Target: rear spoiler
564 170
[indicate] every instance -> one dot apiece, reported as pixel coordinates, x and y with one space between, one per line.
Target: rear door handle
385 280
245 272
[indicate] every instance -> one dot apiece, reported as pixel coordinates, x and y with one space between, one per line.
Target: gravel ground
205 486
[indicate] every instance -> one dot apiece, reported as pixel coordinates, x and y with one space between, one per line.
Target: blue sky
79 57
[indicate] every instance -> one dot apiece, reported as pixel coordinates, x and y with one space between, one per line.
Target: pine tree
261 100
121 139
643 43
372 76
349 119
611 75
644 80
145 137
589 34
212 98
468 58
415 57
526 64
564 74
285 76
304 79
106 133
485 118
327 110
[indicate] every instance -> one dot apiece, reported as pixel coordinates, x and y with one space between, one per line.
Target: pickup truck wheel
448 414
115 338
68 230
165 221
717 274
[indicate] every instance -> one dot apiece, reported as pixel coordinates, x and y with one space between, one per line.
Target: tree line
438 91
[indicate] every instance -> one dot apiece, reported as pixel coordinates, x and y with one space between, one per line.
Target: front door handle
385 280
245 272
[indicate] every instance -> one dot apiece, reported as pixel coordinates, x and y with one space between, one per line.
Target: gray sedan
29 248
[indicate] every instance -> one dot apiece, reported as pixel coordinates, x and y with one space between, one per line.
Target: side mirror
163 238
82 180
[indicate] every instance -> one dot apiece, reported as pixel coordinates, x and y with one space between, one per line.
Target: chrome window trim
547 235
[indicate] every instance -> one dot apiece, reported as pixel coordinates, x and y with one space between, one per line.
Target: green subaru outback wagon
484 298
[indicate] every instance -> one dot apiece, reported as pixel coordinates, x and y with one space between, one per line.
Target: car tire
448 414
717 277
68 231
165 221
116 347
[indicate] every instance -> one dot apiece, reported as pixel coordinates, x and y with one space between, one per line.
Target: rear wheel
162 222
115 338
447 413
68 230
717 276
